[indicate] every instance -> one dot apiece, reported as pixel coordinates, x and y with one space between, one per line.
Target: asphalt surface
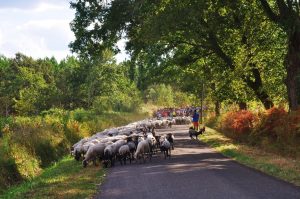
194 171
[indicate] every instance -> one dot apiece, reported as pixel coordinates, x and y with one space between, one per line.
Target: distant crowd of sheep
135 141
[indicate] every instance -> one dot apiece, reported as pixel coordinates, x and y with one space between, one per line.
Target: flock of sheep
134 141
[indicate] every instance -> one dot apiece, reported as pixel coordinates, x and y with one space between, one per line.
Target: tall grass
66 179
30 144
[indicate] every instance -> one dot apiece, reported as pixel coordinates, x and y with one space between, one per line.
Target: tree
285 13
7 86
159 31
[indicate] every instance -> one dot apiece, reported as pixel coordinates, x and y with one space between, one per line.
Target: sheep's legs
124 159
129 158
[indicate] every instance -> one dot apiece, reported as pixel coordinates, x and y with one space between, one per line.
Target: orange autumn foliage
240 123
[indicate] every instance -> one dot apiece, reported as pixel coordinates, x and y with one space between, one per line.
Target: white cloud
39 28
44 7
39 31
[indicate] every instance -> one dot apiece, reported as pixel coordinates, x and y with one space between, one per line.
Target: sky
38 28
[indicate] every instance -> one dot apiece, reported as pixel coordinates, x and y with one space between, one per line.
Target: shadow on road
193 171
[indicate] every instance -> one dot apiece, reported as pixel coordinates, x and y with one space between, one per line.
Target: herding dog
193 132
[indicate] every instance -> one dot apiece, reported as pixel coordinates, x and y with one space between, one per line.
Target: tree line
240 50
32 86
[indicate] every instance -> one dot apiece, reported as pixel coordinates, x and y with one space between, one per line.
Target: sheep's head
77 156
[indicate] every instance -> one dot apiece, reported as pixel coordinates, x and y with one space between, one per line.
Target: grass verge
65 179
285 168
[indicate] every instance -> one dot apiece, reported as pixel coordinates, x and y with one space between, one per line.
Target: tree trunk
292 68
217 108
257 86
6 110
243 105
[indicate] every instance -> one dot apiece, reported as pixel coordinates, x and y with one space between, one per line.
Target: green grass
65 179
285 168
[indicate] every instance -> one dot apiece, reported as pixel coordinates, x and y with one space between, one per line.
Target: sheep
165 147
170 138
132 148
81 150
152 142
76 145
111 151
135 139
124 152
109 154
142 148
118 144
94 152
193 132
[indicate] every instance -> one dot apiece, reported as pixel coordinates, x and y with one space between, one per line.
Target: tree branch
283 8
268 10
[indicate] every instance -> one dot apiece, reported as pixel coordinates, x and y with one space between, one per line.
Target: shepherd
196 120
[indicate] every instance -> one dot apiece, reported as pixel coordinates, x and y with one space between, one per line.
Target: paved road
194 171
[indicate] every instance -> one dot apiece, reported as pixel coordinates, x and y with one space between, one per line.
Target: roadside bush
274 123
238 125
278 131
274 130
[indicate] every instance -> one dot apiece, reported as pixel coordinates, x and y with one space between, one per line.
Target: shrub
273 123
238 124
8 170
4 121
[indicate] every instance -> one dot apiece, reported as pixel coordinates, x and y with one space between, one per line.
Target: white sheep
152 142
165 147
80 150
170 137
142 148
124 152
94 152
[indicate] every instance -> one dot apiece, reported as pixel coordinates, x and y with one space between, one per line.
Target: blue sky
37 28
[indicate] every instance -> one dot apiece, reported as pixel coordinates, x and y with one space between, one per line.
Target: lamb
165 147
193 132
94 152
142 148
124 152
